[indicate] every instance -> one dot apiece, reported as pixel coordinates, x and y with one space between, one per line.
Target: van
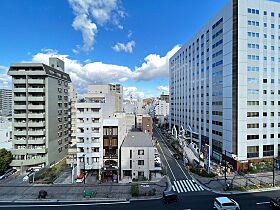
225 203
169 197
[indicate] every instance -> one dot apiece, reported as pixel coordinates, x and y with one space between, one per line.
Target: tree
5 160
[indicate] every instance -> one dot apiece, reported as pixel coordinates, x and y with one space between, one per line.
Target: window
252 114
252 151
141 152
130 154
254 125
252 137
140 162
140 174
268 150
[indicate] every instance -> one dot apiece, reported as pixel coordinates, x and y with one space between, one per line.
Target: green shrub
135 190
201 172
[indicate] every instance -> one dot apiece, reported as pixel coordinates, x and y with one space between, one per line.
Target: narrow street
179 176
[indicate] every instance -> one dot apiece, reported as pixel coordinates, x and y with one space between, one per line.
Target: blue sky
146 30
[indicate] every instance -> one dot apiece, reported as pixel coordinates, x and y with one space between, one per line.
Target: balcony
36 81
37 133
23 115
19 98
36 151
19 90
18 151
20 133
29 162
29 151
19 106
36 90
110 156
36 98
19 124
19 142
19 81
90 166
37 141
37 115
36 124
36 107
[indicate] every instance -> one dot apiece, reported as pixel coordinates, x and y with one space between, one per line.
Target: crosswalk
187 185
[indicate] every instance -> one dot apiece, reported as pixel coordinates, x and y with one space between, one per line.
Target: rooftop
137 139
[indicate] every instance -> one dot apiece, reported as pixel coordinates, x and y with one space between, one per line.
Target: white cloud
129 34
132 91
5 80
155 66
90 13
163 88
88 29
128 47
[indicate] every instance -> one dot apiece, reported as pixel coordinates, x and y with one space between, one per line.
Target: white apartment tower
41 117
5 102
225 82
100 132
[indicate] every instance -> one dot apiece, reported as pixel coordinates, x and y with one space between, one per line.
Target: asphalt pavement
189 200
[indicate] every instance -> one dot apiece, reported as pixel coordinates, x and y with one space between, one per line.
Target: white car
225 203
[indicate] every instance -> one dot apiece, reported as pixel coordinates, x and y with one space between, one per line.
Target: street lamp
225 155
84 168
190 130
273 174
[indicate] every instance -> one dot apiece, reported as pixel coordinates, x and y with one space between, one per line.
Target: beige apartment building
41 117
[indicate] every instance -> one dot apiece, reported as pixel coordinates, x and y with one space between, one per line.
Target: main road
191 195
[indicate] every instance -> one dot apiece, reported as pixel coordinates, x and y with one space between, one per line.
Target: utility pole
225 154
274 168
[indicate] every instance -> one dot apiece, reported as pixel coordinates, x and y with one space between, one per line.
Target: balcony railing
36 81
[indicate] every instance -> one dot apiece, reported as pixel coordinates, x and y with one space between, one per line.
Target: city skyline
139 62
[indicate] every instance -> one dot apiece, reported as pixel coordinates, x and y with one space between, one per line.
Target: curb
169 187
62 201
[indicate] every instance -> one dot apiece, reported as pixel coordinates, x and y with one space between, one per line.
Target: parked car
169 197
225 203
176 156
81 178
275 203
8 173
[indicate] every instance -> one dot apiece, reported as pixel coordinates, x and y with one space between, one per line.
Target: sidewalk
245 183
111 191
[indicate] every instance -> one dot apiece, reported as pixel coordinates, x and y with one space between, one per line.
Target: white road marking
261 203
189 184
181 186
184 181
177 189
167 163
193 185
172 154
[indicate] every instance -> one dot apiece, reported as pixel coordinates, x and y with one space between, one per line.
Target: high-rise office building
41 117
5 102
224 82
